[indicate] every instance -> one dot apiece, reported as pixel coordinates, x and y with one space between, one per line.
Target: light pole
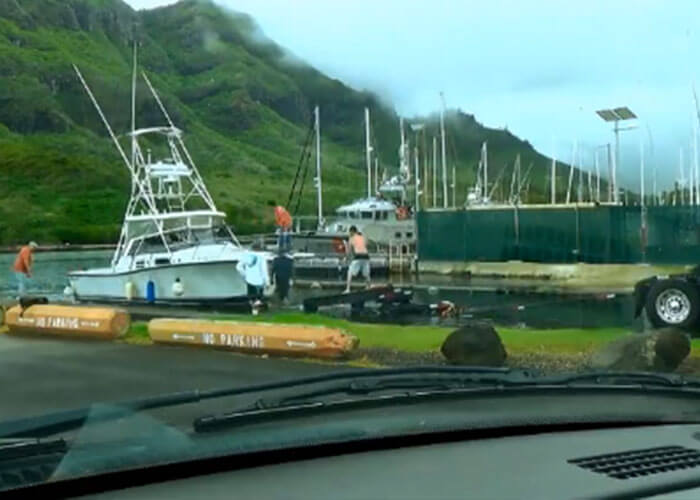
616 116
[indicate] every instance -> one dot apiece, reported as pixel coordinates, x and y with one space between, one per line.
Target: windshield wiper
63 421
623 378
361 385
13 449
387 390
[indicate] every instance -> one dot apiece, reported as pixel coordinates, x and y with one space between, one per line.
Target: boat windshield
180 238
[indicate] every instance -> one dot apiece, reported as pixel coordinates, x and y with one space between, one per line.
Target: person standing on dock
282 271
283 222
357 247
24 262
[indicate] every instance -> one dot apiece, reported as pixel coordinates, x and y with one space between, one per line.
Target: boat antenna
200 184
104 120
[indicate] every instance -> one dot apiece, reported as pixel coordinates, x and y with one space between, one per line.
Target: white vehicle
174 244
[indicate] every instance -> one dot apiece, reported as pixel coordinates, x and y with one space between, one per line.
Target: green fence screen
595 234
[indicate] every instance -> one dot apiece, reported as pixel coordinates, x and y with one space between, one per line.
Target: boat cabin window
409 235
366 215
352 215
384 215
397 235
162 261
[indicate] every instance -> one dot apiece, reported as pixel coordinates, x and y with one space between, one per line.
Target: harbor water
491 300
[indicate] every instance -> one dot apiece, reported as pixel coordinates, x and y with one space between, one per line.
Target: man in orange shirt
23 266
283 221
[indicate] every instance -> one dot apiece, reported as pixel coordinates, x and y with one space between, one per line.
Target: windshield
222 194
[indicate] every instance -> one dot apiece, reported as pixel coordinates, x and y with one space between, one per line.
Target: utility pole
319 190
368 152
610 170
444 160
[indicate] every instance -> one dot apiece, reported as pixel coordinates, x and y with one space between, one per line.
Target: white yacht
385 219
175 245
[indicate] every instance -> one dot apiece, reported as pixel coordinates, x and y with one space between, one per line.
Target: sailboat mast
442 145
641 173
553 180
434 193
571 174
368 152
486 172
319 187
376 174
597 177
416 176
682 172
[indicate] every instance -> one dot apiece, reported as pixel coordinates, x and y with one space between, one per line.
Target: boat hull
201 282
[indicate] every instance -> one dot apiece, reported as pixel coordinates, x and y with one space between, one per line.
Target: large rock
476 343
661 350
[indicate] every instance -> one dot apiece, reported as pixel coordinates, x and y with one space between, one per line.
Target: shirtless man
357 247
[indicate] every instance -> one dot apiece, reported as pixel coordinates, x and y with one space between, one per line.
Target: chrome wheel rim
673 306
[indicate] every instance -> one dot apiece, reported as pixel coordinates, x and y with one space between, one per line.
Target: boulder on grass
476 343
661 350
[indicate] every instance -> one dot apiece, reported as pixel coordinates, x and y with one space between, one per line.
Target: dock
384 294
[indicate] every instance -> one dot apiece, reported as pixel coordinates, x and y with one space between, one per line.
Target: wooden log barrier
252 337
68 321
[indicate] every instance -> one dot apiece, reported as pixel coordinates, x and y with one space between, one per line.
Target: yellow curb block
68 321
251 337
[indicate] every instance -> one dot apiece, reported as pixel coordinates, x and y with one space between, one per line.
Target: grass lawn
429 338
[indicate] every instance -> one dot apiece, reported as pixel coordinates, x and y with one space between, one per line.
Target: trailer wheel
673 302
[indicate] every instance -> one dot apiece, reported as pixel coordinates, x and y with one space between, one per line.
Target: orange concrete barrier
68 321
254 337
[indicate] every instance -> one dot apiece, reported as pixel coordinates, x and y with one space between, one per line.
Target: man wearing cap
23 266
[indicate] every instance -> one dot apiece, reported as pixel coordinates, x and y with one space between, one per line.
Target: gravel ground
544 363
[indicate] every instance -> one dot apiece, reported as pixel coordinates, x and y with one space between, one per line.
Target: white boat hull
201 282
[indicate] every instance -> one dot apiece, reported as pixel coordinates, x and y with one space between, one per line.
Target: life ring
338 245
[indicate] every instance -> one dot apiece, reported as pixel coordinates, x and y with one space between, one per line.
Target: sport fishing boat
175 245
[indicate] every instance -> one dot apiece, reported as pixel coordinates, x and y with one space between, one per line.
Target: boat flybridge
174 245
386 218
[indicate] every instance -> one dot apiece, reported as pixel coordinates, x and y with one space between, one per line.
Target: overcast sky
539 67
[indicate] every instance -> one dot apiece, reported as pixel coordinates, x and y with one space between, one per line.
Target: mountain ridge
244 102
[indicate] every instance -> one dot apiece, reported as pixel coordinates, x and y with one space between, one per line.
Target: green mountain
244 103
